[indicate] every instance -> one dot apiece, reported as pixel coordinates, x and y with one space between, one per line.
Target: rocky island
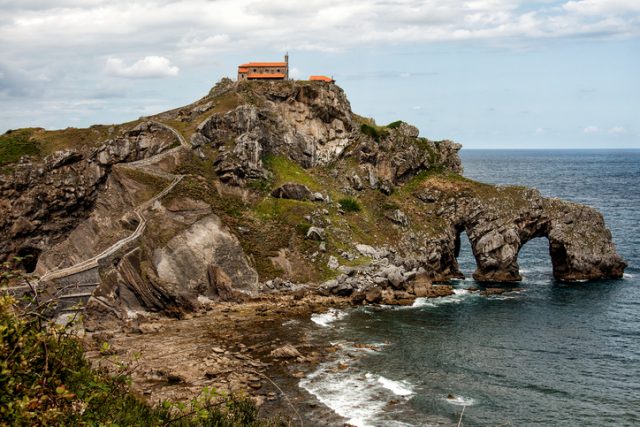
268 200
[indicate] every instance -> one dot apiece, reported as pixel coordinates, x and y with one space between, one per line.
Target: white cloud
295 73
600 7
617 130
315 24
193 46
591 129
72 43
146 68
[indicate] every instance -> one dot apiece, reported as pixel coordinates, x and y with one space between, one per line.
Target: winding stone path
72 286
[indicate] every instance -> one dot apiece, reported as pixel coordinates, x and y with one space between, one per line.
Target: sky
484 73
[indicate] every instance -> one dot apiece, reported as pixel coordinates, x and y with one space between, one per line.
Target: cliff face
265 186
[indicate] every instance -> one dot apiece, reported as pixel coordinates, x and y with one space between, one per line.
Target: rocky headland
266 191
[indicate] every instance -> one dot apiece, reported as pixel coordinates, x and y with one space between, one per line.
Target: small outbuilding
322 79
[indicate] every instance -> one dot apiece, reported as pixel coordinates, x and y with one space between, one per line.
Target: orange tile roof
243 70
265 76
321 78
264 64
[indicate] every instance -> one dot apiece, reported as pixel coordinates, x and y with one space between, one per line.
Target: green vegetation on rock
349 205
375 132
395 125
287 170
17 143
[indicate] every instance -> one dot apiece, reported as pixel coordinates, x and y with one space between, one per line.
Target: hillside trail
146 165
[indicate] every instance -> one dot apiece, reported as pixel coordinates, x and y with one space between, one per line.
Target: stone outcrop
499 221
399 154
292 191
42 201
202 259
307 123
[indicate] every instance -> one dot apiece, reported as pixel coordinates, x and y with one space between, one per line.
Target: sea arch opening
463 252
505 255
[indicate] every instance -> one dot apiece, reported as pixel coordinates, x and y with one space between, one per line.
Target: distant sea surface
552 354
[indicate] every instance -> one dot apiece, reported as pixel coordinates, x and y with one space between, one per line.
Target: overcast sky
485 73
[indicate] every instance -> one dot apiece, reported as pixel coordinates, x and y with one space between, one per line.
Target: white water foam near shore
460 400
325 319
458 296
361 397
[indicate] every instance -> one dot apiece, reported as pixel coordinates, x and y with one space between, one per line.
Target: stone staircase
70 288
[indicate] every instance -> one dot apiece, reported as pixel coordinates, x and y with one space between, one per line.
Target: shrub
374 132
302 228
349 205
395 125
46 380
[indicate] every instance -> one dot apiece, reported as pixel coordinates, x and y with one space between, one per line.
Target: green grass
349 205
375 132
287 170
54 140
39 143
283 210
17 143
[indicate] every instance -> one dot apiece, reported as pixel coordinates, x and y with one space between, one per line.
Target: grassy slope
39 143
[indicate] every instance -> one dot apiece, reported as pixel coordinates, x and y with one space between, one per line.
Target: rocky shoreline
260 348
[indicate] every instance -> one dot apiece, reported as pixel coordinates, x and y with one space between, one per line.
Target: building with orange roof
264 70
322 79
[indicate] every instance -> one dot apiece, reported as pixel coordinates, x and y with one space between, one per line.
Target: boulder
398 217
285 352
394 275
373 295
356 182
333 263
293 191
316 233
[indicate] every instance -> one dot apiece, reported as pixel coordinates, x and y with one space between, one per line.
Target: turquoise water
550 354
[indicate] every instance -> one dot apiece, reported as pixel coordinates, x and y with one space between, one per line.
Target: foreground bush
45 380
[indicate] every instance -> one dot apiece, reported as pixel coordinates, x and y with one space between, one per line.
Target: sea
550 354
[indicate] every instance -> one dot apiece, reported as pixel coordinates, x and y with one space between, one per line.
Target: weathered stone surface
499 224
42 201
307 124
316 233
356 182
285 352
398 217
293 191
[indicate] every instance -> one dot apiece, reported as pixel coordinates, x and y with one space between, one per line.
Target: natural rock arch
580 245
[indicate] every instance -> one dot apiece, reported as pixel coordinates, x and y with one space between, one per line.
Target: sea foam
460 400
325 319
359 396
400 388
458 296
